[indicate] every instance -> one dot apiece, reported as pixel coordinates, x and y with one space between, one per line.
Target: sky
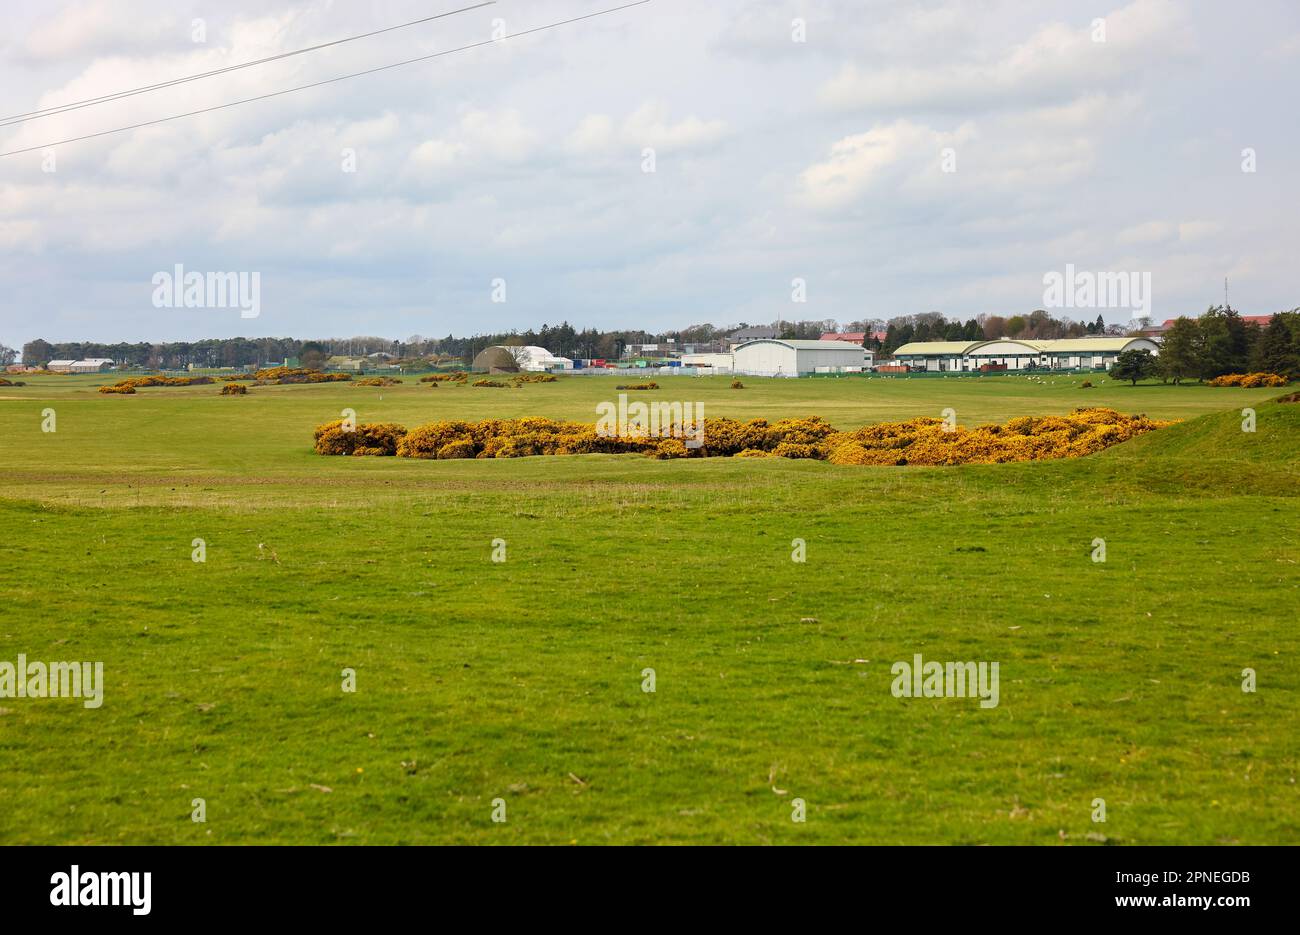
669 164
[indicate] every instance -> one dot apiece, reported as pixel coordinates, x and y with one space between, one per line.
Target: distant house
1156 332
853 337
347 364
60 366
756 333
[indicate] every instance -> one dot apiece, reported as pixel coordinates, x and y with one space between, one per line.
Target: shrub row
455 376
130 384
638 386
1029 438
533 378
1249 380
377 381
279 376
5 381
917 441
496 383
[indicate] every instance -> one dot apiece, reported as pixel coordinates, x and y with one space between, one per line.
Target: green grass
478 680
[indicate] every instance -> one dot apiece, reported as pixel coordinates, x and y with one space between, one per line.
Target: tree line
1221 342
1218 342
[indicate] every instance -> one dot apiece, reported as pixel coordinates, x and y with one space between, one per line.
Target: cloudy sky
525 161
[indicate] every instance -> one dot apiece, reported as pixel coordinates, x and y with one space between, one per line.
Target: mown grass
522 680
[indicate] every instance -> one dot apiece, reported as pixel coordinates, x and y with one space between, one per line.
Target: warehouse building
780 358
501 359
718 362
89 365
1012 354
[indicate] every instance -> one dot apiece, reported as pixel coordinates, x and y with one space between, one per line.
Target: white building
718 363
1013 354
539 359
89 365
773 357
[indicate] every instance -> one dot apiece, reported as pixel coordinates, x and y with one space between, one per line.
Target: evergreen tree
1180 351
1133 366
1275 351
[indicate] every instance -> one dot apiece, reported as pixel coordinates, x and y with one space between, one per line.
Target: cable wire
317 84
118 95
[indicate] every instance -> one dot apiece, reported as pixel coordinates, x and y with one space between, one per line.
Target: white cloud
1055 63
650 125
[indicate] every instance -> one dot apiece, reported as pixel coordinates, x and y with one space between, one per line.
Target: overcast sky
523 161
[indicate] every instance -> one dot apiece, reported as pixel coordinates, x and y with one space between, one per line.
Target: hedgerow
638 386
377 381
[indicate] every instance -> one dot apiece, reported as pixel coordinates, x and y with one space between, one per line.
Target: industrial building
775 357
501 359
89 365
1014 354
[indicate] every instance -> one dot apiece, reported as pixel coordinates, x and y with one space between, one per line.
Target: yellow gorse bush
533 378
917 441
372 438
1249 380
287 375
452 376
234 389
130 384
1029 438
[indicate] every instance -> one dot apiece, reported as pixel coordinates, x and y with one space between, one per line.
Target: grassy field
522 680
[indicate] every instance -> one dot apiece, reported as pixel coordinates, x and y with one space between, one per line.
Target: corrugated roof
937 347
1058 346
1076 345
808 345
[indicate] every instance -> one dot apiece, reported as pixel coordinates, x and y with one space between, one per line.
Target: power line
317 84
118 95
